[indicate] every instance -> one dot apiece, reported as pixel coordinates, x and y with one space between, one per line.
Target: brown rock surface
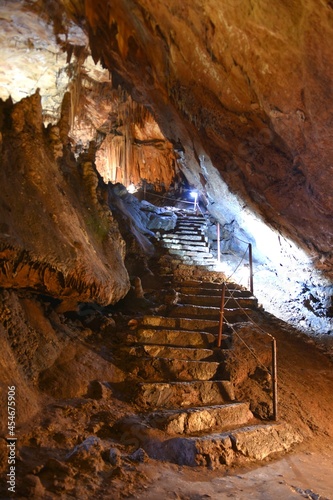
59 236
247 85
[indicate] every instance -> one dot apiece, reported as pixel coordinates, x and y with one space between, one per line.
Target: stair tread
169 351
157 369
175 337
252 442
179 323
184 394
201 418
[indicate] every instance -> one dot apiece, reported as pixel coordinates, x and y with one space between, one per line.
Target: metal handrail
273 374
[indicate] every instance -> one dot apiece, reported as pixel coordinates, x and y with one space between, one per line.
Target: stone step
173 370
189 267
184 243
255 442
192 311
190 253
201 247
191 223
189 232
180 323
187 237
165 351
190 217
201 419
198 283
193 262
207 300
184 338
213 291
184 394
179 228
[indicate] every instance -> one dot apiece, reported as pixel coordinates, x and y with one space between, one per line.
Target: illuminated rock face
241 91
248 84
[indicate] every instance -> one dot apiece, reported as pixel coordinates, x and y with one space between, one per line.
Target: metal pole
218 243
251 268
219 338
274 381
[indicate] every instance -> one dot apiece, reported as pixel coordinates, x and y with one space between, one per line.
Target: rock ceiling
242 87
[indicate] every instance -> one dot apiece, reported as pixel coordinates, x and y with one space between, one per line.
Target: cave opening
145 148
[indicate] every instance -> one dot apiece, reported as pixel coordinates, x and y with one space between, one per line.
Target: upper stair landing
188 242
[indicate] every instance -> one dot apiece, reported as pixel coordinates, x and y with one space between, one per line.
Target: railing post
219 338
274 381
251 268
218 243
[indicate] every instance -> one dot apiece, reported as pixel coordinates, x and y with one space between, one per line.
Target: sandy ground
302 474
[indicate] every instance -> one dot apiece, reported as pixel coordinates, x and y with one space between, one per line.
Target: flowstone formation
58 234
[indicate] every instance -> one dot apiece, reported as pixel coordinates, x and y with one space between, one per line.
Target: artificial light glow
194 194
131 188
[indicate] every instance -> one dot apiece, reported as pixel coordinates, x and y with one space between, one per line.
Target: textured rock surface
252 99
226 448
201 419
58 236
255 89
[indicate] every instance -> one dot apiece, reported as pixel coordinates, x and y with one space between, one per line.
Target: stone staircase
188 243
187 412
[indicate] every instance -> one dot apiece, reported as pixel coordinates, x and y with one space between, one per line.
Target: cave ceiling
243 87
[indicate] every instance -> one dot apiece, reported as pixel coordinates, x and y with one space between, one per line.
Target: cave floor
305 473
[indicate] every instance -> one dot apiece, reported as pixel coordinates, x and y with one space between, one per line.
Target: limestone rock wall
248 84
58 235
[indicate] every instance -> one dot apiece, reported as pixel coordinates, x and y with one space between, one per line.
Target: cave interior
115 119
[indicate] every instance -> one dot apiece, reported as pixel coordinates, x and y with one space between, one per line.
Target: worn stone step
197 282
184 394
195 261
207 300
186 237
189 224
189 268
182 228
248 443
191 253
196 244
161 369
180 323
192 311
190 217
164 351
201 419
201 247
189 232
217 292
174 337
